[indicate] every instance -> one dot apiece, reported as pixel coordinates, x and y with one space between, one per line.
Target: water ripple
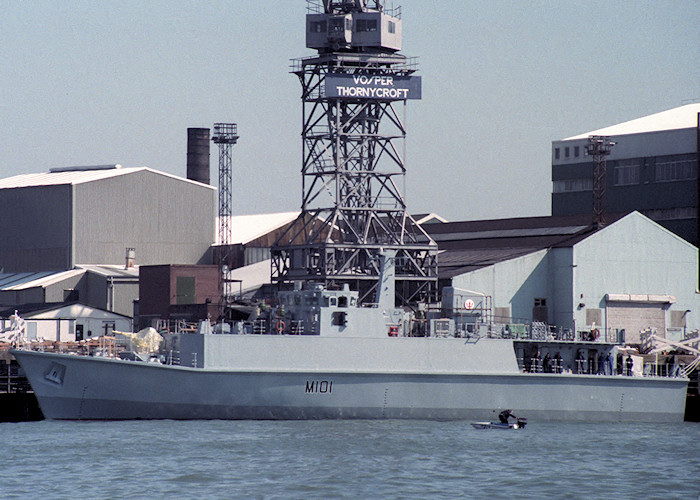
347 459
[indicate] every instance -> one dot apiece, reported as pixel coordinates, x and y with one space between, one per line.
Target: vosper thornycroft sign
380 87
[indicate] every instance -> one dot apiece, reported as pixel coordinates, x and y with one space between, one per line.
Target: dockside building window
573 185
627 172
676 168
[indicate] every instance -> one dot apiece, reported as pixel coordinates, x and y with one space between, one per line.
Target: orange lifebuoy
596 333
280 326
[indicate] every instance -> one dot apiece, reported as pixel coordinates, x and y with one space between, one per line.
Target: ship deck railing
598 367
457 326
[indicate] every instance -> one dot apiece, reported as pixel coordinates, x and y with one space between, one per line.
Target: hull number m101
319 386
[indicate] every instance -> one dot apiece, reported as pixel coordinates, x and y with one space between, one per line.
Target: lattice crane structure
599 147
225 136
354 93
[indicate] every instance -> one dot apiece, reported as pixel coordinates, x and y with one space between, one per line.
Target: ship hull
88 388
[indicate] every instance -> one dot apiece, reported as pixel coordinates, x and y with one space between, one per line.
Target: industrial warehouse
597 280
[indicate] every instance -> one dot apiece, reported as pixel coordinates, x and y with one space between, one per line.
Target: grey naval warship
332 343
331 358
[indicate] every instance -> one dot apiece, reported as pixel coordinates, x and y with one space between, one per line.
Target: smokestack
198 154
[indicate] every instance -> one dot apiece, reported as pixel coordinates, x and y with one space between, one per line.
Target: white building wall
59 330
562 299
513 283
93 320
166 219
636 256
633 256
659 143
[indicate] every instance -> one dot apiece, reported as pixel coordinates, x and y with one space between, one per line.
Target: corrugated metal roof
112 271
245 228
455 262
61 310
530 232
59 178
431 218
469 245
74 177
24 281
252 276
509 233
672 119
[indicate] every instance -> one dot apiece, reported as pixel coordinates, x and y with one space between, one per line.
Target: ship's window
556 153
353 302
334 302
348 24
392 27
540 302
576 151
566 152
342 301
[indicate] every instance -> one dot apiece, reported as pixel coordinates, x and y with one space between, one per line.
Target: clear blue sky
84 82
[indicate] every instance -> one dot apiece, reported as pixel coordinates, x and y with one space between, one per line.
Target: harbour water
347 459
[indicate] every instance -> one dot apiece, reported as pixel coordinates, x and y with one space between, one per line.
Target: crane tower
599 146
354 93
225 136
